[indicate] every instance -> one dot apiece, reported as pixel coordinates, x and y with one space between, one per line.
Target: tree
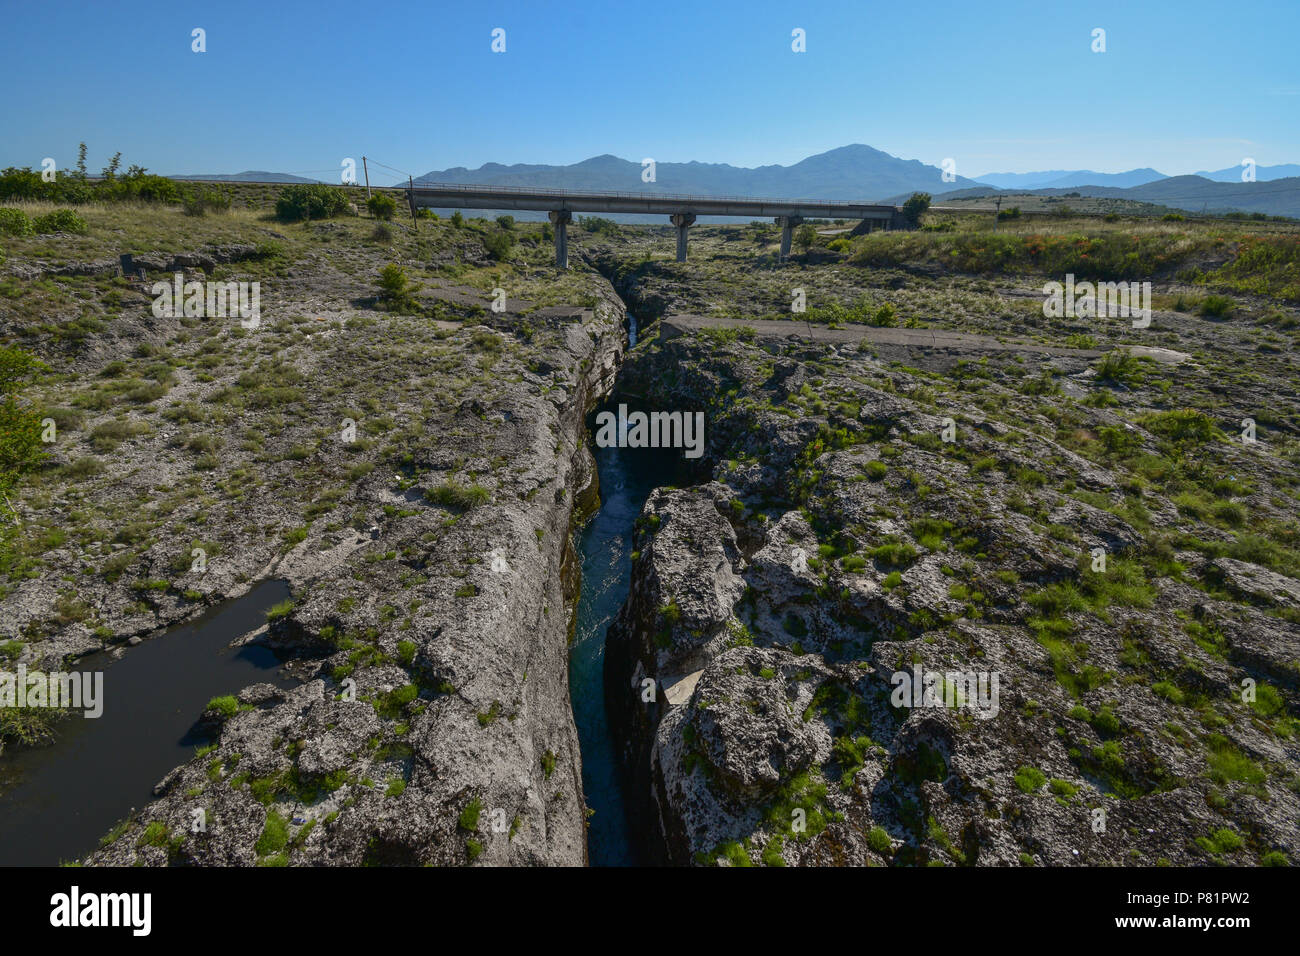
310 201
915 208
110 171
805 236
382 206
396 290
506 222
499 244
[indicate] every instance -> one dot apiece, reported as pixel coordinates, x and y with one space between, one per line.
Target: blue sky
1009 86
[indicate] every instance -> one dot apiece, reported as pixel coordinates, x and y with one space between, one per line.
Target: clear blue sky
1007 86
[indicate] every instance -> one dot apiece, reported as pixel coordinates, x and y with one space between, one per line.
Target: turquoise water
627 477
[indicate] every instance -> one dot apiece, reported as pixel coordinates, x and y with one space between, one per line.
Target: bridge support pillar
683 221
561 218
787 224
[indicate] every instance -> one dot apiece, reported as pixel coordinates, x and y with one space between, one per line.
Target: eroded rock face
434 725
843 550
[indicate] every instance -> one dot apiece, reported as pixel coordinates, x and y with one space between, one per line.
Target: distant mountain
1278 197
1263 174
1064 179
248 176
849 172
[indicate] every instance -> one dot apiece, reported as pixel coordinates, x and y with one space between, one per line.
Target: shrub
21 448
598 225
61 220
1216 307
805 237
310 201
382 206
1122 367
395 289
886 317
275 835
1029 779
452 494
499 244
879 840
916 207
226 706
200 202
469 816
1183 425
506 222
14 222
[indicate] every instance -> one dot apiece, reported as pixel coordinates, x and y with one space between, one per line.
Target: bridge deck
450 195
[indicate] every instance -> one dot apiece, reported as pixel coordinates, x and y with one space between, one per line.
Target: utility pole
411 195
367 172
997 210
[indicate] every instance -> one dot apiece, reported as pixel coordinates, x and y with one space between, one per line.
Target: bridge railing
674 197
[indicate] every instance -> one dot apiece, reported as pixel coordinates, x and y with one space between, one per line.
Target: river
56 801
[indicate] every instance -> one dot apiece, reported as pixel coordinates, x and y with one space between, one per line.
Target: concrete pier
561 218
787 224
683 221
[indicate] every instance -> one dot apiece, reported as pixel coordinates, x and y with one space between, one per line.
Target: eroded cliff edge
842 541
456 742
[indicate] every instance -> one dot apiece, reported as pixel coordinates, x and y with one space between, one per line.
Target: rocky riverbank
416 482
1118 563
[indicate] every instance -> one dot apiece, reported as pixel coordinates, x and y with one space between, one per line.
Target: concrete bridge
561 204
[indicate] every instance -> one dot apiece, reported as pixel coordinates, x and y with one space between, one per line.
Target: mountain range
849 172
859 172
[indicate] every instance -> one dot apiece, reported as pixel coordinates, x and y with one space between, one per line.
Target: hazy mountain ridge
849 172
1063 179
861 172
1278 197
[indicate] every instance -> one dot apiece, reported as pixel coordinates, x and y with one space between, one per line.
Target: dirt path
674 325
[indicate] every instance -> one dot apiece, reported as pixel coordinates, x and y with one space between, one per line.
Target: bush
506 222
598 225
499 244
310 201
21 448
61 220
452 494
200 202
879 840
14 222
395 289
1180 425
226 706
382 206
805 237
1217 307
1029 779
916 207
